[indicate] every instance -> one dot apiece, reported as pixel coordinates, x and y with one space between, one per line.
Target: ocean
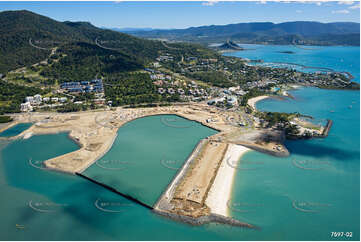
306 196
315 191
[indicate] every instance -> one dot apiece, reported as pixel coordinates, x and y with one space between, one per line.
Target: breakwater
212 218
327 128
115 191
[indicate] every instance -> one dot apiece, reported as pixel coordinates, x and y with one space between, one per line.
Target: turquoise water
316 190
56 206
15 130
328 188
326 194
146 154
338 58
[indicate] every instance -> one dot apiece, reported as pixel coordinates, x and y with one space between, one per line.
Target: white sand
252 101
27 135
221 190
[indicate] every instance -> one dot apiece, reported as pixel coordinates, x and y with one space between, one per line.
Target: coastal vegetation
108 69
5 119
254 92
12 95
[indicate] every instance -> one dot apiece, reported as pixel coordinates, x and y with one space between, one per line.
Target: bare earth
198 180
203 186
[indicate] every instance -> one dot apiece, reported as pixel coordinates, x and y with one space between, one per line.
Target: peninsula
89 82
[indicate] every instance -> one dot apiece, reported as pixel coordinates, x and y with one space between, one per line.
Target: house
63 99
161 90
215 101
171 91
180 91
37 98
29 99
54 99
26 107
99 101
158 83
46 99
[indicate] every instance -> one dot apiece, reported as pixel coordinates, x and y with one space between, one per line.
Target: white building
26 107
63 99
231 100
37 98
29 99
54 99
215 101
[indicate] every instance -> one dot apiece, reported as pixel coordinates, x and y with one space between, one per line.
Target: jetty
327 128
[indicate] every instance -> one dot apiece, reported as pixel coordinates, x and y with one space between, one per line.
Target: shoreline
252 101
222 187
95 132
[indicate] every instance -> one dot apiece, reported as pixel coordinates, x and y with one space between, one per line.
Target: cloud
209 3
355 6
318 3
344 11
299 11
346 2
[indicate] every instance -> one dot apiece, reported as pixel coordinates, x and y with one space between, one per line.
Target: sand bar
221 190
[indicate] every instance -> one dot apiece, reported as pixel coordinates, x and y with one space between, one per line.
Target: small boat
332 111
350 106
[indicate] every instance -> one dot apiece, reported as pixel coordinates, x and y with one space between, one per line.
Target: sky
170 15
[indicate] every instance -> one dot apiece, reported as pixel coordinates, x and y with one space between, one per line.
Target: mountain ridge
295 32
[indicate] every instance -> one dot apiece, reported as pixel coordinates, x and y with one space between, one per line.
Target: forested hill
299 32
27 38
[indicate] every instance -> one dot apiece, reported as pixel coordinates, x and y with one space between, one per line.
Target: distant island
90 81
229 45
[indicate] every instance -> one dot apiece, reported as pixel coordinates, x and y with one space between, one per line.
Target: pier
327 128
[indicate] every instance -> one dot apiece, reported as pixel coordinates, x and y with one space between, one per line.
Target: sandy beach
221 190
252 101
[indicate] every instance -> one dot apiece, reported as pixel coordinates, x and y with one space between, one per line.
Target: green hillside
27 38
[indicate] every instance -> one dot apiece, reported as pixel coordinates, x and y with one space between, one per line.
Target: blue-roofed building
95 85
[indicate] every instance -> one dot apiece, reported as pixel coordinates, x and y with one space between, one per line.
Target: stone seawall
212 218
